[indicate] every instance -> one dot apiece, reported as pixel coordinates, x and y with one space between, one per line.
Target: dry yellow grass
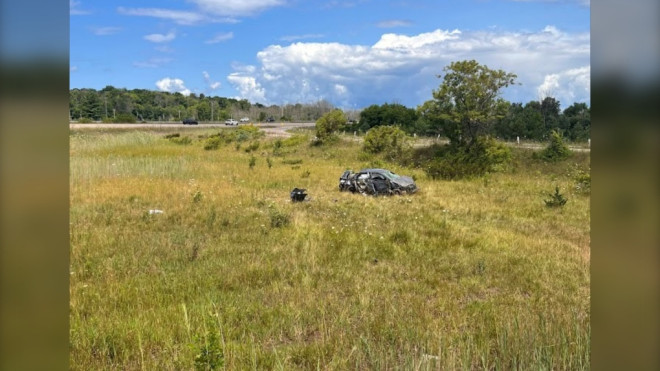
465 274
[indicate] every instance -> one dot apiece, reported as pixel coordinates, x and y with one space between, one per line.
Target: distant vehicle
231 122
245 119
270 119
190 121
376 182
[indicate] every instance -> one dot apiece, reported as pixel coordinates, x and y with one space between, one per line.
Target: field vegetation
470 273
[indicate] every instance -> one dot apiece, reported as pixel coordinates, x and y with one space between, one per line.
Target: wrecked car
376 182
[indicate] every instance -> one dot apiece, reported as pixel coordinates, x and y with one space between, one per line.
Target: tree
467 101
330 123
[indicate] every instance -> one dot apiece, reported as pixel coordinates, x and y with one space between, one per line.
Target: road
276 129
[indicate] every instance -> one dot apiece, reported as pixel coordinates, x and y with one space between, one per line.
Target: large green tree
467 102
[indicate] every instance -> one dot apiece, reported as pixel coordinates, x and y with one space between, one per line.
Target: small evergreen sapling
556 199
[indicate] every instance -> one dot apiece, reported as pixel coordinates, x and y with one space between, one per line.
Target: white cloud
152 62
248 87
178 16
301 37
73 68
160 38
172 85
213 85
567 86
75 10
393 23
104 31
220 38
236 7
404 68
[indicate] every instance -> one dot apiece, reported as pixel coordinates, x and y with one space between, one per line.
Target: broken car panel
376 182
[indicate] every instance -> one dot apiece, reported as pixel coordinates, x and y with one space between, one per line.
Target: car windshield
389 174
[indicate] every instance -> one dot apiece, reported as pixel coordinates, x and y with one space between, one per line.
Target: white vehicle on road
231 122
245 119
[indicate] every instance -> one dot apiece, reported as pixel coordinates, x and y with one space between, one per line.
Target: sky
352 53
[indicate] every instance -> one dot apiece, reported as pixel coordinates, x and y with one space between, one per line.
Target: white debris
155 211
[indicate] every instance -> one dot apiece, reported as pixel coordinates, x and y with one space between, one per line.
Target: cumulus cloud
404 68
220 38
213 85
172 86
160 38
104 31
248 87
567 86
393 23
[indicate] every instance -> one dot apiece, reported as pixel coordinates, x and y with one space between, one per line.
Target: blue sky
353 53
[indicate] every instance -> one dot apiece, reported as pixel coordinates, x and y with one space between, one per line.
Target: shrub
329 124
556 199
279 219
181 140
212 143
175 135
389 140
106 120
555 151
209 354
252 147
124 118
247 132
253 161
582 181
483 156
84 120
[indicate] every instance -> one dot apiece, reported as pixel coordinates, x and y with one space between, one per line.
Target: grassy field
470 274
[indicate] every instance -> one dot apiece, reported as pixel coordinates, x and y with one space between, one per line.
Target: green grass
470 274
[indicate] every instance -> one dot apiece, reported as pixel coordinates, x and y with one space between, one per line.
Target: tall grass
471 274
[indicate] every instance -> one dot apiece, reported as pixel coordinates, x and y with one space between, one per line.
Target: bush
483 156
252 147
212 143
556 151
124 118
247 132
181 140
107 120
389 140
329 124
582 181
84 120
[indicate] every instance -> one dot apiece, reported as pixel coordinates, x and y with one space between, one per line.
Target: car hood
404 181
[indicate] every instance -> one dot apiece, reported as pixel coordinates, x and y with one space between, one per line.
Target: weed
253 161
269 162
293 161
279 219
556 199
305 174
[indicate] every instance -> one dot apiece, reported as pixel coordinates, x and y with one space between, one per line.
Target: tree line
531 121
112 103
